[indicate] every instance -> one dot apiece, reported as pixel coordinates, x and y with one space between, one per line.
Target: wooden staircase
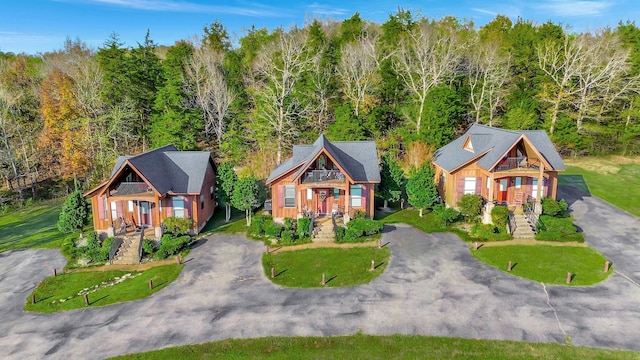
524 229
323 230
128 252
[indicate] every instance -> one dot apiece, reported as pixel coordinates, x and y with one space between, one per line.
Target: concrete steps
524 229
127 253
323 231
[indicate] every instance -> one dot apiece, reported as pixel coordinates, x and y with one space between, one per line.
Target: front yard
342 267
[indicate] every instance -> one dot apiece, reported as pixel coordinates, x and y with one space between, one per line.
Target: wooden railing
530 213
312 176
115 245
509 163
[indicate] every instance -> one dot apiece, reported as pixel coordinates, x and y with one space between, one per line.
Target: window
212 192
130 205
114 210
469 185
488 182
289 196
178 207
105 208
534 188
443 178
518 182
309 194
321 162
201 202
356 196
336 193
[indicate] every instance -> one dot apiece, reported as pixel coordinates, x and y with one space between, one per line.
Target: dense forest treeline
411 84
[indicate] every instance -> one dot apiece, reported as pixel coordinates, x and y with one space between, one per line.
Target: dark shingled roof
170 170
359 159
490 144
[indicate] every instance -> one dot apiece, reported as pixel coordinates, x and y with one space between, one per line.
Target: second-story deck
518 163
315 176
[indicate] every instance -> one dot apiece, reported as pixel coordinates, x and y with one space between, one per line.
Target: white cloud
257 10
324 10
574 7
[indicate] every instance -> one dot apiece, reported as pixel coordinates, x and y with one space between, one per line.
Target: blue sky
34 26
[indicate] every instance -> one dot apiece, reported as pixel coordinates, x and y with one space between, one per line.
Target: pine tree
75 212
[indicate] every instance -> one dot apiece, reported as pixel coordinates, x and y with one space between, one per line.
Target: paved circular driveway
432 286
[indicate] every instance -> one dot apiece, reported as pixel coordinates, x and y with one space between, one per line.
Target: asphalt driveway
432 286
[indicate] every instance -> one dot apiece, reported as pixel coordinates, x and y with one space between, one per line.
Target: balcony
318 176
511 163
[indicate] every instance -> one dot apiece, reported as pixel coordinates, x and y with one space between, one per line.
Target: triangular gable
333 159
468 145
119 173
524 138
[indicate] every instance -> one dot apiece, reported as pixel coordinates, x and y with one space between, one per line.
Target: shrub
446 215
170 245
105 248
287 237
69 249
359 214
500 216
554 208
4 209
148 246
29 202
340 233
273 230
288 223
177 226
258 225
489 232
365 226
303 227
551 228
470 207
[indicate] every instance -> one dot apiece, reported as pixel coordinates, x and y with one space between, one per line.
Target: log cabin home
511 167
147 188
326 178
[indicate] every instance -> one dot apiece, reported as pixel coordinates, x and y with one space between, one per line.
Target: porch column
492 188
301 192
538 205
554 186
347 195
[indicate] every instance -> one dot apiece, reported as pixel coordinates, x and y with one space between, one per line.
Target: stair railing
115 245
512 223
313 219
140 245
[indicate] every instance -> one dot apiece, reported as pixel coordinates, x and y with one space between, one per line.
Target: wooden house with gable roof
145 189
509 167
324 178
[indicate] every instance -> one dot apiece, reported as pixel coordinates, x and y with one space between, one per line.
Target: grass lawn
613 179
65 285
427 223
342 267
547 264
31 227
378 347
216 224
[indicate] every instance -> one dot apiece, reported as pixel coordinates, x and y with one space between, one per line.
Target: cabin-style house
510 167
325 178
147 188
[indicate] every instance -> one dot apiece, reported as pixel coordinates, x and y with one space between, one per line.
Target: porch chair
518 200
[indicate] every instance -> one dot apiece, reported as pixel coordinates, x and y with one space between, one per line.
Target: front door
145 212
502 190
321 201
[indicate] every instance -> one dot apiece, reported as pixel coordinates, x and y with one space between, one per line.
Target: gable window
321 162
178 207
289 196
469 185
356 196
468 145
201 202
212 192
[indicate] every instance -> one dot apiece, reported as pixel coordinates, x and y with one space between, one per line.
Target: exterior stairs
323 230
524 229
127 253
